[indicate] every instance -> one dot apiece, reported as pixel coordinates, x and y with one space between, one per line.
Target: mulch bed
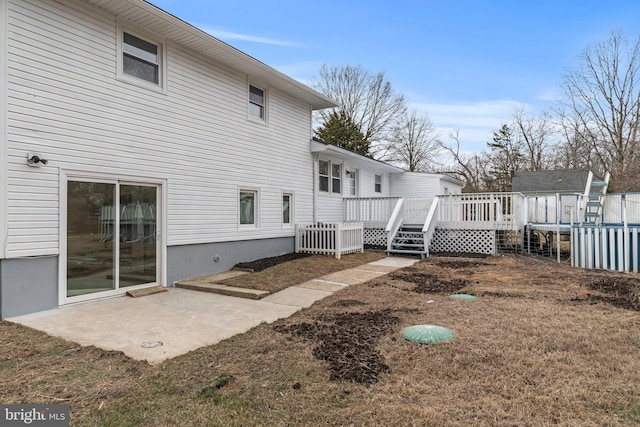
264 263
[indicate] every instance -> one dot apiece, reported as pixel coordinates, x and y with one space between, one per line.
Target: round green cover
427 334
464 297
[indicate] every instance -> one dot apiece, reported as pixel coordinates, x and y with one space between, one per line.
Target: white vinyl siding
65 102
421 185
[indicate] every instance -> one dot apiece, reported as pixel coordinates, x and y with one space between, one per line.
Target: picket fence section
330 238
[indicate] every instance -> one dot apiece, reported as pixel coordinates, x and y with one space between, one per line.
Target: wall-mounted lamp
34 159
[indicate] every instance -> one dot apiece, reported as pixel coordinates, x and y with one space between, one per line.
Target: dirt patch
458 255
347 303
427 283
264 263
619 291
347 342
458 264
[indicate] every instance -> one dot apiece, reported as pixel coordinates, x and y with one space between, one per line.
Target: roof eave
154 19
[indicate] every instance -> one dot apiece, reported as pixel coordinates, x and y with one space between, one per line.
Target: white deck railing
430 224
373 212
482 211
333 238
554 208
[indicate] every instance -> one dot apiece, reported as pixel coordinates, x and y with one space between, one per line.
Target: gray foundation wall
189 261
28 285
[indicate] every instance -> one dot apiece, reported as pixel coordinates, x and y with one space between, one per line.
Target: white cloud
230 35
476 121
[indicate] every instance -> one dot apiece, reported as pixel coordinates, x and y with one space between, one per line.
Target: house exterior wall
421 185
330 207
65 102
62 98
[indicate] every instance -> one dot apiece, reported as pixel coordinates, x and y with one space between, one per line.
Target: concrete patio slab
165 325
157 327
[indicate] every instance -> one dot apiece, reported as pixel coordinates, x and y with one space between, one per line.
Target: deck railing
481 211
373 212
329 238
554 208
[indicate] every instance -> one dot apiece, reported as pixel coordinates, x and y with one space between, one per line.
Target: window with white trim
248 207
378 184
352 182
329 177
257 102
141 59
287 208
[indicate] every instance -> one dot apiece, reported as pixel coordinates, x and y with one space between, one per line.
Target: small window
378 183
323 183
336 179
287 201
351 182
140 58
256 102
248 207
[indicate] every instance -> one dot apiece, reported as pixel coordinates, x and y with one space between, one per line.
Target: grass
536 348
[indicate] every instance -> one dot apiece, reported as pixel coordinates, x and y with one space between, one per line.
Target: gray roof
553 181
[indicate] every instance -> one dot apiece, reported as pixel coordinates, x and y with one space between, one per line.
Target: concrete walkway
165 325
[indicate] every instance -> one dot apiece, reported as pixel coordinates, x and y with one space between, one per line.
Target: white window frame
256 207
330 177
377 183
291 209
161 86
351 178
264 105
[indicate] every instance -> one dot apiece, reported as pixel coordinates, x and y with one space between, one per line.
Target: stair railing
395 222
430 224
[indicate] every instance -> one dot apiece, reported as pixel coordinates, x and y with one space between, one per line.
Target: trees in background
340 129
368 100
601 109
414 143
594 126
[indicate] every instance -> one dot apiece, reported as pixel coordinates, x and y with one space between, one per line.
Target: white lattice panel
466 241
375 237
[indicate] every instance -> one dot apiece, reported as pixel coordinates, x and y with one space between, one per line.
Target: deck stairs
409 240
595 200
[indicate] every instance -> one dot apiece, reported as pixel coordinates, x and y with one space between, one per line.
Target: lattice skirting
375 237
466 241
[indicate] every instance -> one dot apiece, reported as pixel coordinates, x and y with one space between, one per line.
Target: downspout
313 190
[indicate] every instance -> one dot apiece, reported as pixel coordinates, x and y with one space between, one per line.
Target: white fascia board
342 154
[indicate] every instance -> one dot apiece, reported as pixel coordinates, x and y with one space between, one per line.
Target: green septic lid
463 297
427 334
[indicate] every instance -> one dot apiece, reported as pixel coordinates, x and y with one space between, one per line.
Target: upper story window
257 102
329 177
378 184
141 59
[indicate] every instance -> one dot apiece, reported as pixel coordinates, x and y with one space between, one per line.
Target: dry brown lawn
544 344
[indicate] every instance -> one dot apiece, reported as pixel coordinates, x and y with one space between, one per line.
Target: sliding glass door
111 236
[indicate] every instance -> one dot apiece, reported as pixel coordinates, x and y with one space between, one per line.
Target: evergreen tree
339 129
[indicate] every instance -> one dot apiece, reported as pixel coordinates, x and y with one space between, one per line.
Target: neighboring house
563 181
136 149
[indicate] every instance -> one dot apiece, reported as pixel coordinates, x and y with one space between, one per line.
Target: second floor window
256 102
140 58
378 184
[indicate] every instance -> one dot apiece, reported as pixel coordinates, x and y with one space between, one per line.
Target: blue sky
468 64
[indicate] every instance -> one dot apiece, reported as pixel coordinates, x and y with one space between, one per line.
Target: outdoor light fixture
34 159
